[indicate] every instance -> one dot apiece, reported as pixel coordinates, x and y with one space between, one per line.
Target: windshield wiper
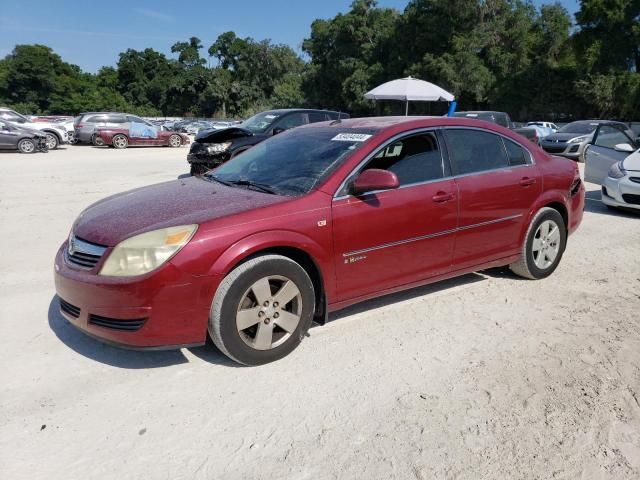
217 179
262 187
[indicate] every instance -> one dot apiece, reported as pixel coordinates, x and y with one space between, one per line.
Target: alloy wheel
546 244
269 312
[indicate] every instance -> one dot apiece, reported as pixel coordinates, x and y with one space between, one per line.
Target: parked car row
56 134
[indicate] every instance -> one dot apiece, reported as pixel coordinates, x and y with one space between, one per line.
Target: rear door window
291 121
474 151
117 119
96 119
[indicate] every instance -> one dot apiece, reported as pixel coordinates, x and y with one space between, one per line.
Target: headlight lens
218 147
616 171
147 251
577 140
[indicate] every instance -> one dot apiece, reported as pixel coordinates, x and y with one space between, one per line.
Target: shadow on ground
123 358
389 300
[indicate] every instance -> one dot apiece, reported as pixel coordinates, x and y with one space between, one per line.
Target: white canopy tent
409 90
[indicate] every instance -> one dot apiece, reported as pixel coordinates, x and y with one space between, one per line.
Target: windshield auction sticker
351 137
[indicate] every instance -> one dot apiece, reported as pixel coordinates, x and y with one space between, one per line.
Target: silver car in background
613 162
571 140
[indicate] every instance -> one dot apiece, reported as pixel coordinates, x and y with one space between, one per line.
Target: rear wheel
52 141
120 141
175 141
26 145
543 247
262 309
97 140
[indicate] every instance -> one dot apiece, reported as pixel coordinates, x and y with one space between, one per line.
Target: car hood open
179 202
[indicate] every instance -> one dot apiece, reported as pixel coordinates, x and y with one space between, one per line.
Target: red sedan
136 135
311 221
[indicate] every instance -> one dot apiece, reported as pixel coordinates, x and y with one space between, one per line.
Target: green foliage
492 54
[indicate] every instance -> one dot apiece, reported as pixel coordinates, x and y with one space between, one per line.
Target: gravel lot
484 376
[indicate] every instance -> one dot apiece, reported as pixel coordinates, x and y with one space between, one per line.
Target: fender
550 196
274 239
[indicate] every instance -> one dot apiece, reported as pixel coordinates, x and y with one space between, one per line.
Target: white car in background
549 125
613 161
56 133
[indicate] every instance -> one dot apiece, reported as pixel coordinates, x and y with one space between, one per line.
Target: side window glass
317 117
117 119
515 153
474 151
413 159
291 121
609 137
96 119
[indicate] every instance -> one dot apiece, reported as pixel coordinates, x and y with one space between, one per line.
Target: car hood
564 137
224 135
632 162
179 202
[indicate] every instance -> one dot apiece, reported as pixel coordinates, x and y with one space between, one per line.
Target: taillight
78 125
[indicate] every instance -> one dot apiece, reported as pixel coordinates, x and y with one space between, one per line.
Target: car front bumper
569 150
167 308
622 192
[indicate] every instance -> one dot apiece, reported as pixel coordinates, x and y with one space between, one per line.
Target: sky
92 34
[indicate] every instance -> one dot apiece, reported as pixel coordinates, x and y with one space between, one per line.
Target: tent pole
406 108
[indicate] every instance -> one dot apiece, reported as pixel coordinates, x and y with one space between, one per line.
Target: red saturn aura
311 221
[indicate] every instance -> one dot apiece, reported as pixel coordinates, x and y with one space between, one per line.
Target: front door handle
526 181
441 197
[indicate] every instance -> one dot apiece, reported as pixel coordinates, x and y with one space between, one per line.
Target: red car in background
310 221
140 135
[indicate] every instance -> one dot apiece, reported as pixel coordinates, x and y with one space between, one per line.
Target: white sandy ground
484 376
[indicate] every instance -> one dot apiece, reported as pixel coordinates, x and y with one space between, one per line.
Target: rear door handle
526 181
441 197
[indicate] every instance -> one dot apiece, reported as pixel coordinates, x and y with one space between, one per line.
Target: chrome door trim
431 235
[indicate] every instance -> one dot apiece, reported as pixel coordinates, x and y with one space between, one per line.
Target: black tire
26 145
234 289
198 169
120 141
526 267
97 141
175 143
52 140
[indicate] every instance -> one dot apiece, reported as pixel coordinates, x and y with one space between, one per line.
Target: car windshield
294 162
260 123
579 127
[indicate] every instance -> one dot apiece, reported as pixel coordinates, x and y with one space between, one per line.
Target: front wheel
120 141
175 141
52 141
26 145
262 309
543 246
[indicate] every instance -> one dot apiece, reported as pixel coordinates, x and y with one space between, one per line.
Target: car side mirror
278 130
374 179
624 147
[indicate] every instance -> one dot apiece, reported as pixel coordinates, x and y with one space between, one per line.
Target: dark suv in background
214 147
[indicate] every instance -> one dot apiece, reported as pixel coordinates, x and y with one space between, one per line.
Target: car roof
282 111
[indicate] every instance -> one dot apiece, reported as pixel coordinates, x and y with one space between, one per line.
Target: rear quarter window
515 153
474 151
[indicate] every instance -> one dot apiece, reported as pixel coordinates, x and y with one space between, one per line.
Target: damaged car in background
213 147
25 140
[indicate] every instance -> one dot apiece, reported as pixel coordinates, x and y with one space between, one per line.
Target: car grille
69 309
635 179
83 254
116 323
631 199
553 148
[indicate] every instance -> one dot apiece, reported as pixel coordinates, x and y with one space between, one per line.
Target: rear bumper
165 309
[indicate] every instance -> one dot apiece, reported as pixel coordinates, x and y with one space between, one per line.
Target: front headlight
147 251
218 147
616 171
577 140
